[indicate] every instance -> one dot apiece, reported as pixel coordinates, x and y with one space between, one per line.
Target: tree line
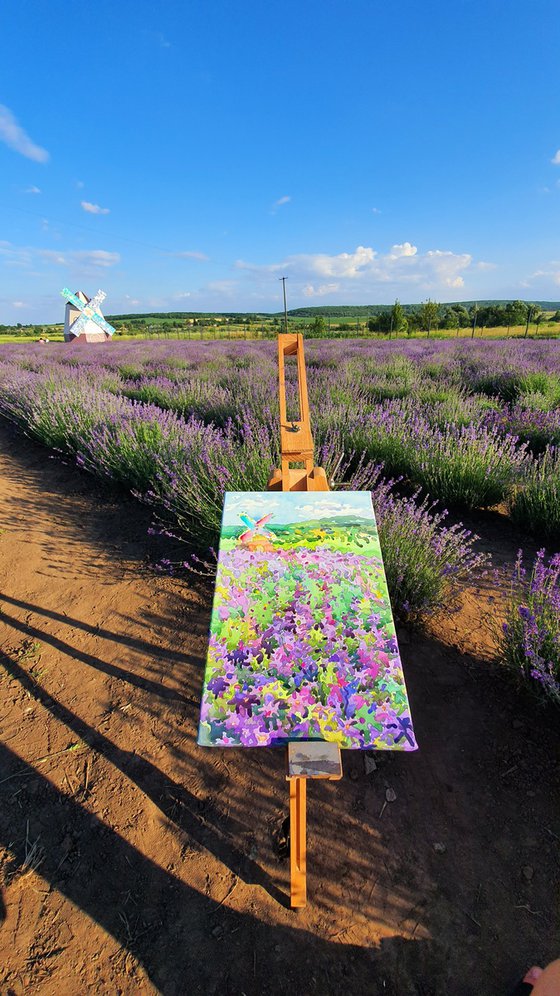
430 316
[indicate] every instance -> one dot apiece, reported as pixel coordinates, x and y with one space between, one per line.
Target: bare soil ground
135 862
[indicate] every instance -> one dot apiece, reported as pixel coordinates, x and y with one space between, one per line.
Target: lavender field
426 426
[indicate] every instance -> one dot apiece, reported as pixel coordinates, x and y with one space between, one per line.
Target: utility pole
283 279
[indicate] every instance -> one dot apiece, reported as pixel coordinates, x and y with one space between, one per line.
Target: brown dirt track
156 867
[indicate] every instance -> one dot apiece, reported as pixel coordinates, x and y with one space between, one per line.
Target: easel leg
298 843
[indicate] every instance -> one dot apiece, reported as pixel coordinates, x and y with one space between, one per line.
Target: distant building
85 324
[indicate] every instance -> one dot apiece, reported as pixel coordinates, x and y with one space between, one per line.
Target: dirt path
135 862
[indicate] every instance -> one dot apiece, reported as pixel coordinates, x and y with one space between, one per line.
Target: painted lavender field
302 640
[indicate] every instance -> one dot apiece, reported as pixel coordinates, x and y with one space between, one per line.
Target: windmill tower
83 320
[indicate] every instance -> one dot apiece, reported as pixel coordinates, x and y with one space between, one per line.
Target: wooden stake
298 842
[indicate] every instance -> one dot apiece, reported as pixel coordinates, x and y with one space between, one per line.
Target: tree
450 319
534 314
317 327
384 322
380 323
398 318
515 313
462 315
429 312
537 316
414 320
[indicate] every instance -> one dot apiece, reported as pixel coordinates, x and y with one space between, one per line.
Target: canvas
302 640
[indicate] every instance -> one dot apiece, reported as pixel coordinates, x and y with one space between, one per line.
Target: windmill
83 320
256 536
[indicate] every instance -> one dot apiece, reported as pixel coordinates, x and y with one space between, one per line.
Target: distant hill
333 522
232 315
362 311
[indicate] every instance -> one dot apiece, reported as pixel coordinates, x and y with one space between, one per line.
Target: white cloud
556 158
550 275
482 265
14 255
17 139
96 257
254 499
94 208
311 291
361 273
328 507
51 256
280 203
188 254
32 190
19 304
375 211
80 184
77 260
405 249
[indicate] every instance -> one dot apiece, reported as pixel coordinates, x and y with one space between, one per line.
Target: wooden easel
298 473
296 441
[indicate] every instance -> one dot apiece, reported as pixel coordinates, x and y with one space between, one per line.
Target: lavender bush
536 504
425 561
468 465
539 427
530 639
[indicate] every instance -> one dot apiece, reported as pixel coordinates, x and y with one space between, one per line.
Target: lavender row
182 467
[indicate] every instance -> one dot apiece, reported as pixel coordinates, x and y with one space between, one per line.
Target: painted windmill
83 321
256 536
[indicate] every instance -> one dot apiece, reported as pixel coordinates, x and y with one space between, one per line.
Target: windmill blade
79 325
95 301
99 320
87 307
73 299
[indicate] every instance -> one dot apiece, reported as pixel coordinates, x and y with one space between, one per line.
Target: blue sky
184 155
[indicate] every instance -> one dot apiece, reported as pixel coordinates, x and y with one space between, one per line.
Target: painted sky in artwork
302 639
183 156
287 507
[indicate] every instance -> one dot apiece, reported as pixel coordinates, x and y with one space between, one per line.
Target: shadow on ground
133 858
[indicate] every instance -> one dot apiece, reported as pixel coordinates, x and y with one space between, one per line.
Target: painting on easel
302 640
